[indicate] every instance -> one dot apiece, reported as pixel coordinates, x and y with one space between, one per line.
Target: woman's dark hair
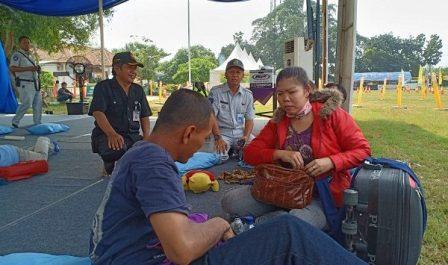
297 73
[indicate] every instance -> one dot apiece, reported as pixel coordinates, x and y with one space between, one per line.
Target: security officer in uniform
120 109
25 71
234 109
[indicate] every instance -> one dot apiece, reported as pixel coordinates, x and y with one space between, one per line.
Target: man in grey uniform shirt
234 109
25 70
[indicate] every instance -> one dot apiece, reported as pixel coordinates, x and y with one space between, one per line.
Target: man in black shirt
120 109
64 94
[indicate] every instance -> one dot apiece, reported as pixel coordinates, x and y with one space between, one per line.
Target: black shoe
15 125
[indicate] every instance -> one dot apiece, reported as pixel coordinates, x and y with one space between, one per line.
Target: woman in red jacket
309 130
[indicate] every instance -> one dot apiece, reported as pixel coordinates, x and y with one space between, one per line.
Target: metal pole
345 52
189 52
100 11
324 42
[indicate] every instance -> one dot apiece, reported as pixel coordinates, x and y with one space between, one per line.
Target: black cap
125 58
235 63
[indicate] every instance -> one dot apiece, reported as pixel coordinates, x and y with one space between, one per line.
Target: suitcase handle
370 166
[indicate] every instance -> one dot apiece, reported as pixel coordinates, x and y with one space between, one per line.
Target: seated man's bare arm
103 123
182 240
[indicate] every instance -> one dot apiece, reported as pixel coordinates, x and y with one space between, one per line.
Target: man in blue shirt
143 216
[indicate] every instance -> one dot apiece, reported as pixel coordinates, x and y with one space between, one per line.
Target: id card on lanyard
136 111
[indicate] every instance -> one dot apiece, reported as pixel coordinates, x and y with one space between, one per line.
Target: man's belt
36 83
27 80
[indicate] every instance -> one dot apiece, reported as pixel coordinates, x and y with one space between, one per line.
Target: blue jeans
283 240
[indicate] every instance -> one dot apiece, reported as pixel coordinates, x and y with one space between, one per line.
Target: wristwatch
217 137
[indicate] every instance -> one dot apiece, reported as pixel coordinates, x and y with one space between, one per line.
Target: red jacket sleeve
261 149
353 144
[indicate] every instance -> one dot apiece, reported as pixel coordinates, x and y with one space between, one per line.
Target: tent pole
345 52
189 52
100 10
324 42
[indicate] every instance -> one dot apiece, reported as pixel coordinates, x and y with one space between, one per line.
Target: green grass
417 134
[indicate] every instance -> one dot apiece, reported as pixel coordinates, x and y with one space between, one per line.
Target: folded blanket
200 160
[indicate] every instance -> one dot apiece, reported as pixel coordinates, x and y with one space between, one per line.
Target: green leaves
173 67
200 70
389 53
432 53
49 33
148 54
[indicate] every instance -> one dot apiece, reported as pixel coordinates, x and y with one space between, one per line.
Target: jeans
284 240
240 202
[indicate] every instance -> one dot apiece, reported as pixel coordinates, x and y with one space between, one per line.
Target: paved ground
52 213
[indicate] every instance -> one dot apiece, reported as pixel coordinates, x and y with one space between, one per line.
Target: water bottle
237 226
249 222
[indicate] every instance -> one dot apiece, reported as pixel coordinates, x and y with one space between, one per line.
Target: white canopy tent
248 60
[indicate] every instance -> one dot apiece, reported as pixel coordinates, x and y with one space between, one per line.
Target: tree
200 70
170 68
270 32
238 37
47 82
389 53
148 54
432 53
48 33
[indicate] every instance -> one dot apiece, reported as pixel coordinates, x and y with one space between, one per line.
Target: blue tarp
8 101
60 7
379 76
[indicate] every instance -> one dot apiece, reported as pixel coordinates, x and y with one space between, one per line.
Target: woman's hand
292 157
319 166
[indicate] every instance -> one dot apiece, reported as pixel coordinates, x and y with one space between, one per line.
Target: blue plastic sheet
42 259
48 128
60 8
8 101
5 129
380 76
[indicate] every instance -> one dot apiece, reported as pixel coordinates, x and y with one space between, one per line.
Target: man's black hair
184 107
24 37
63 83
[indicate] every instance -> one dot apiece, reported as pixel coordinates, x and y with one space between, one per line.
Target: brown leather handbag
282 187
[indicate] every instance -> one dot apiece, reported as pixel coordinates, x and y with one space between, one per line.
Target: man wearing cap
234 109
120 109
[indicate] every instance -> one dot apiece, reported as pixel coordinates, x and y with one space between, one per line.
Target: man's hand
319 166
244 138
115 141
228 234
292 157
220 146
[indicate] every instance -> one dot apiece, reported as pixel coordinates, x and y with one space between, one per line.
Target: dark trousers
110 156
284 240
